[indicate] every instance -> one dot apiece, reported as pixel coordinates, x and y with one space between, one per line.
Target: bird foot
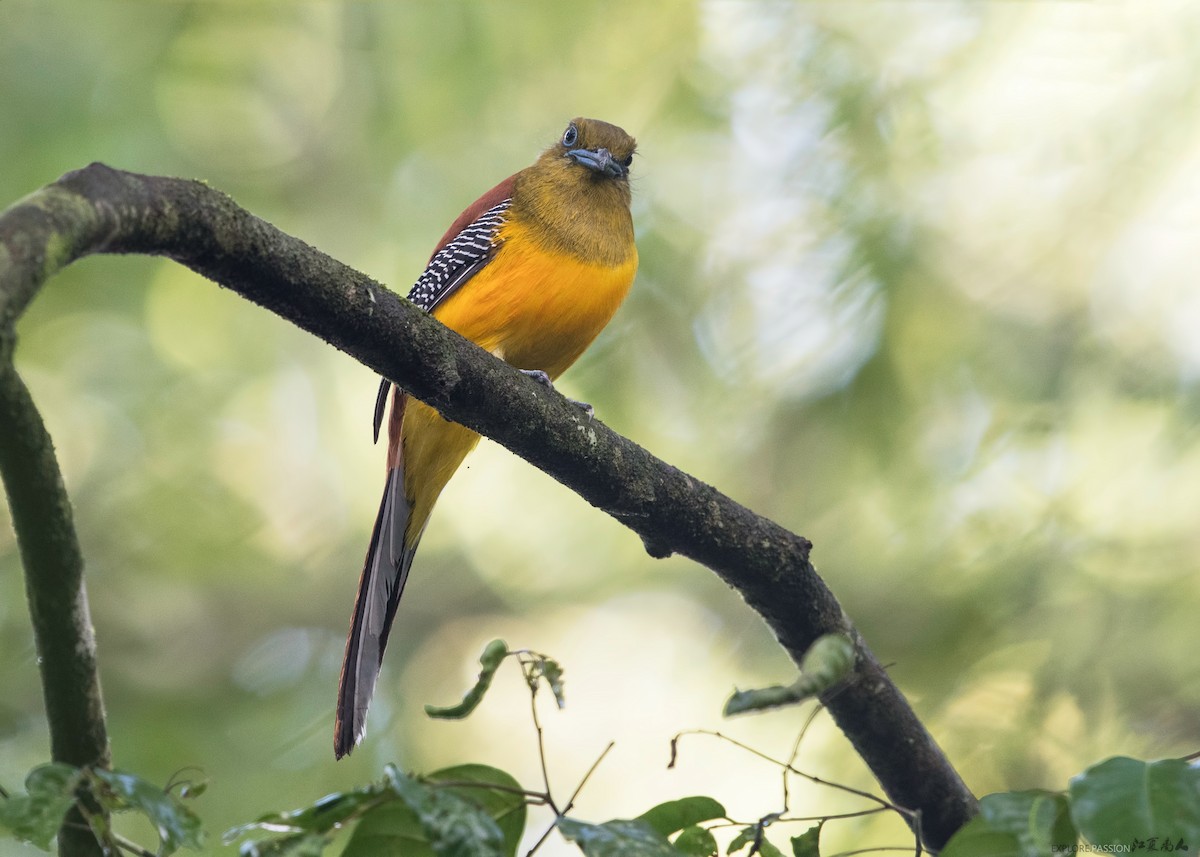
544 379
539 376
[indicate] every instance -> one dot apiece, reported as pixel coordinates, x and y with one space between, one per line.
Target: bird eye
627 160
570 136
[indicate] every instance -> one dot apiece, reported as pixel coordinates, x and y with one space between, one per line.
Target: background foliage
917 281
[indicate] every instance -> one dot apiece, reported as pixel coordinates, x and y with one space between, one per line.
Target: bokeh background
919 281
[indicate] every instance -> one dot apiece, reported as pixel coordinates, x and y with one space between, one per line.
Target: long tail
379 590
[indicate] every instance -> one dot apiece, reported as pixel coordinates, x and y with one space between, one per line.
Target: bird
531 271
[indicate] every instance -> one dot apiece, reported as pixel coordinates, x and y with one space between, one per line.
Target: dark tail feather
385 387
379 590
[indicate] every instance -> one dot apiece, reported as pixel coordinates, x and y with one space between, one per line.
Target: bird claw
588 410
544 379
539 376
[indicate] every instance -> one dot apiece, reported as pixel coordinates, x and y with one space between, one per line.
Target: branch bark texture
56 591
100 210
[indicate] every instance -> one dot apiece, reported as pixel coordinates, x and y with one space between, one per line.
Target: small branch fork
789 769
101 210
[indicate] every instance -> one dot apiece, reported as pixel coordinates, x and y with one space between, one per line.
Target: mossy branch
54 582
101 210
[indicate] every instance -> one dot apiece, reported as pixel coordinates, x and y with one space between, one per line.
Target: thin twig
536 798
812 778
541 745
177 779
912 818
116 840
571 801
796 819
812 715
132 847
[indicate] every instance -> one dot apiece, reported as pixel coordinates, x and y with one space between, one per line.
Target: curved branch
100 210
55 589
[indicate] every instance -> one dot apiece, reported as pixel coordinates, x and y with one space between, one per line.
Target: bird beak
599 161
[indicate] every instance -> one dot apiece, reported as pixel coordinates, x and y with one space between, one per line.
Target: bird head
604 149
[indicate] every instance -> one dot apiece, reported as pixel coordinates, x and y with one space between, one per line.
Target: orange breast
535 309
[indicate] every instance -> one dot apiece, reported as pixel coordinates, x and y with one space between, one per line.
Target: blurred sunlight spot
794 330
1017 481
1128 477
1146 296
979 718
78 438
347 411
1066 730
251 90
189 321
526 534
954 428
276 661
172 635
269 452
1060 128
790 309
1003 687
91 400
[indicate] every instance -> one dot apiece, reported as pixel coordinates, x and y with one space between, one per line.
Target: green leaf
538 668
320 818
696 841
763 699
497 793
493 655
768 849
750 835
177 825
1130 802
190 791
553 673
675 815
483 813
808 843
37 815
453 826
977 838
294 845
617 838
1039 820
827 662
743 839
390 828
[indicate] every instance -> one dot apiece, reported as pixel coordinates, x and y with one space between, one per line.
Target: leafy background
918 281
